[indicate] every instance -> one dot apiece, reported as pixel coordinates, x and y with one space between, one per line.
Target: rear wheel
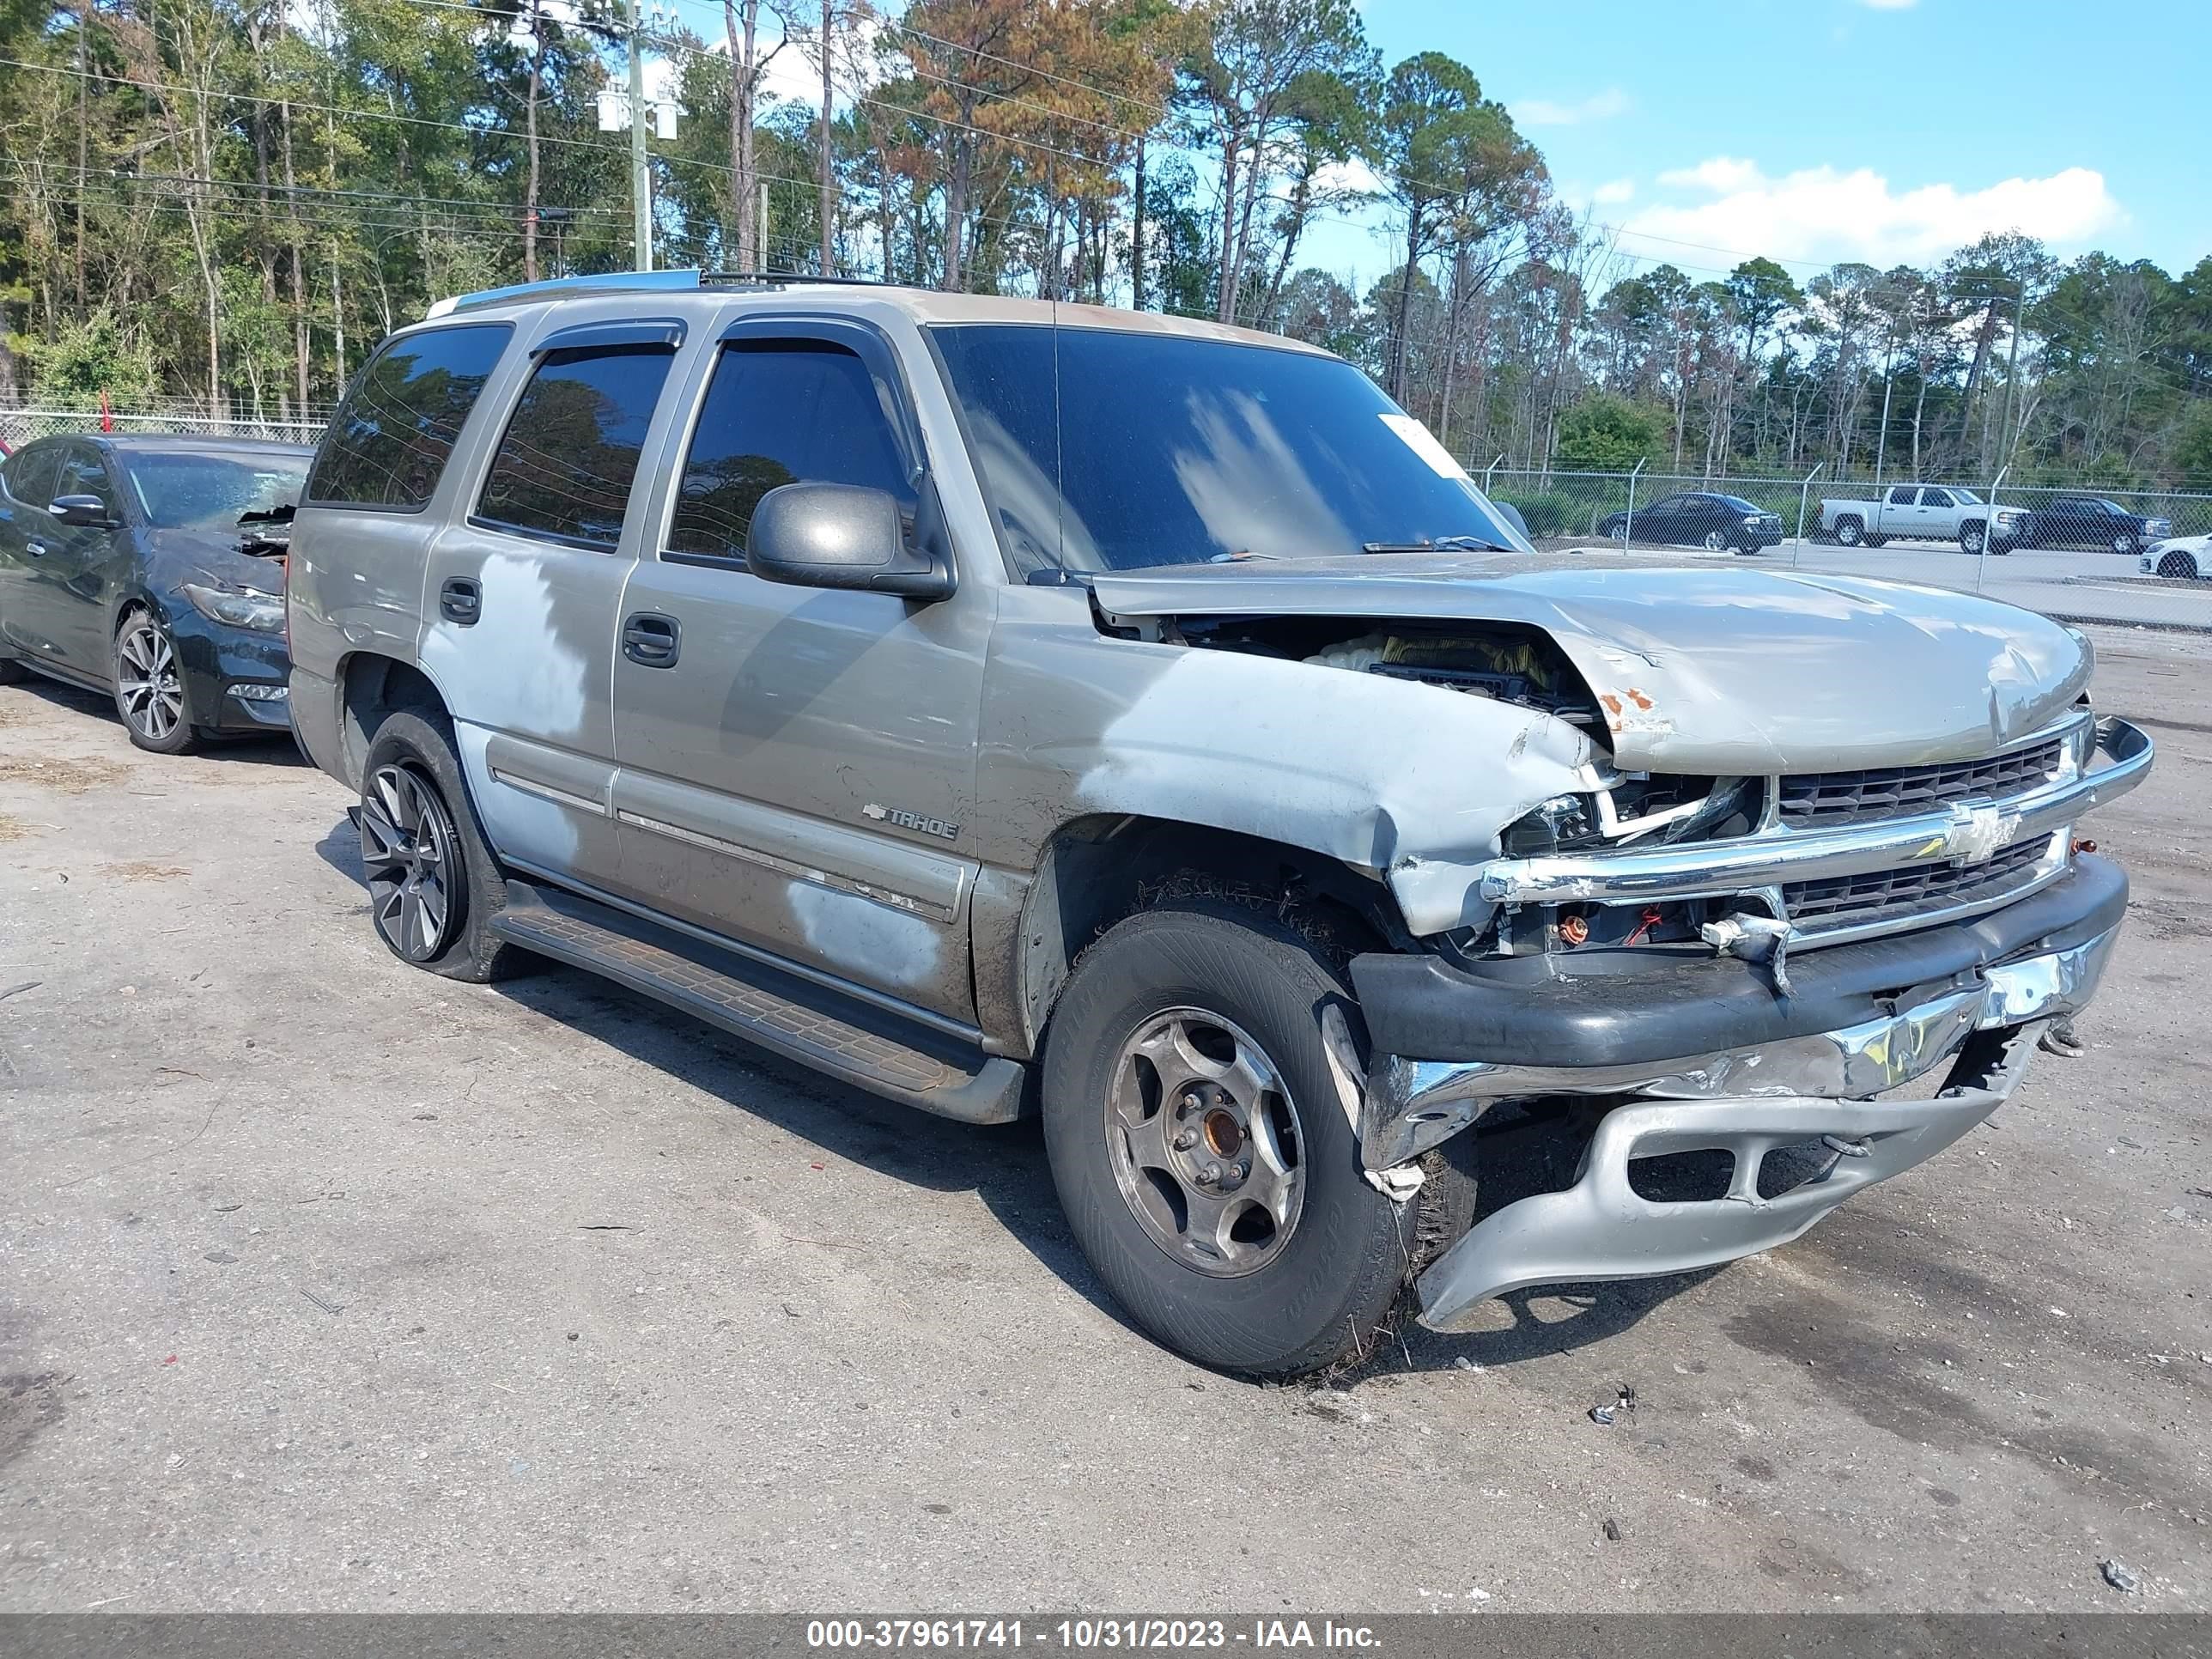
433 883
149 687
1850 531
1716 541
1202 1151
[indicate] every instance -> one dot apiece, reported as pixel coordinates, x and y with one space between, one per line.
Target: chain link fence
2138 557
19 425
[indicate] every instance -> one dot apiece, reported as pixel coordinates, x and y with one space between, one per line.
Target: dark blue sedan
152 568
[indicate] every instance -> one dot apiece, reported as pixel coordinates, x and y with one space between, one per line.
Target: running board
779 1012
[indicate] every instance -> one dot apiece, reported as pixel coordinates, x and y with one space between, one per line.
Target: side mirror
85 512
827 535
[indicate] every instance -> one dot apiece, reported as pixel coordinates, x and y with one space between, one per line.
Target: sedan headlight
239 607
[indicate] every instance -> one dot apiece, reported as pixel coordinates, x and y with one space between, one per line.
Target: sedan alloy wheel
147 688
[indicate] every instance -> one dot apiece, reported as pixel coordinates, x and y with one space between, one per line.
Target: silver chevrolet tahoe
1003 706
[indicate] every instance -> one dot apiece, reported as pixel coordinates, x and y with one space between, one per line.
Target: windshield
1963 497
210 492
1177 450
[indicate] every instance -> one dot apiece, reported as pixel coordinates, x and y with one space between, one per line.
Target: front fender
1408 783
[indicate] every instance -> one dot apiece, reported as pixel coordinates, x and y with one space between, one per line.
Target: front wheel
433 883
2123 545
149 687
1201 1147
2178 565
1970 538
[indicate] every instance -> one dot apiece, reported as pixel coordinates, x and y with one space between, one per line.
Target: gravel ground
331 1285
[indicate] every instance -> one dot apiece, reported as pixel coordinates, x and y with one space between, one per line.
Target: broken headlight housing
1637 808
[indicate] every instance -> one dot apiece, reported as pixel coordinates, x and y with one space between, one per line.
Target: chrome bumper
1710 870
1747 1102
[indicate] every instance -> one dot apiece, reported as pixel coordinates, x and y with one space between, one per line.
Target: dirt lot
328 1284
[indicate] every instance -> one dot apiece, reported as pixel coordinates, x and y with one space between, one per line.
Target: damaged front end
1735 964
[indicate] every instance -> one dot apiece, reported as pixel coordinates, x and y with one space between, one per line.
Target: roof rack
639 282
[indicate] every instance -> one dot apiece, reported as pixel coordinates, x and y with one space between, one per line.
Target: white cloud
1614 191
1353 175
1821 213
1547 112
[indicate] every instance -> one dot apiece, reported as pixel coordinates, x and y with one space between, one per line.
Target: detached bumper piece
1601 1228
1712 1061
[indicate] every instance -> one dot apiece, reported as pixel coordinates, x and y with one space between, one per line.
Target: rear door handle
36 549
651 641
461 600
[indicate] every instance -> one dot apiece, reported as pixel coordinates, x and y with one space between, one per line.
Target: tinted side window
388 443
566 465
1902 497
1935 498
779 412
83 473
31 475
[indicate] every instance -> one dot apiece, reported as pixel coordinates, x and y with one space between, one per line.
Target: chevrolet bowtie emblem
1976 831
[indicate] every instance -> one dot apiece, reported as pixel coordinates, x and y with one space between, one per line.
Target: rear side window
31 475
389 442
1902 496
564 470
779 412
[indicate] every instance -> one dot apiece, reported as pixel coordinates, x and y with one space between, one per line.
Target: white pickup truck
1922 513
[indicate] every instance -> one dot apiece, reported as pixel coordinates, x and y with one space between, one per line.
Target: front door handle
651 641
36 549
461 600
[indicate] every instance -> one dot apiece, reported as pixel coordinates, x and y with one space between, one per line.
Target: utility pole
2012 379
641 178
829 251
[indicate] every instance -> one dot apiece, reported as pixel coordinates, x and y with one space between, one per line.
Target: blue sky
1813 130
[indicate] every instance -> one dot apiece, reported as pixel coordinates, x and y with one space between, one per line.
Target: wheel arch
1096 870
372 685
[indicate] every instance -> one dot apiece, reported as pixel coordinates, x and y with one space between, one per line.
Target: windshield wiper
1440 544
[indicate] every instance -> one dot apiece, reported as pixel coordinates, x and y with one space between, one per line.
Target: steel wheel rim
1849 535
408 848
1205 1143
146 680
1973 541
2123 544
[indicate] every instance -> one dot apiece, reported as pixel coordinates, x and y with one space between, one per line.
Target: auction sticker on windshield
1423 442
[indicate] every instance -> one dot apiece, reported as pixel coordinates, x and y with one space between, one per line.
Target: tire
11 671
2123 545
2177 566
1716 541
149 684
1970 537
1850 531
1611 528
1248 994
433 885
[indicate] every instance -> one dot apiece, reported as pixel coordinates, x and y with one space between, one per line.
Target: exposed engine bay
1521 666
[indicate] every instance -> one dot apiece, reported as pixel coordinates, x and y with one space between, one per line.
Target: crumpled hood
1700 667
212 555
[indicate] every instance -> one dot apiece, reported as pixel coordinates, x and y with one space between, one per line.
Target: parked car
1699 518
152 568
989 704
2184 558
2090 521
1928 512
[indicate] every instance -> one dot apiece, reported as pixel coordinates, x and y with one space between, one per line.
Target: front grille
1815 800
1892 895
